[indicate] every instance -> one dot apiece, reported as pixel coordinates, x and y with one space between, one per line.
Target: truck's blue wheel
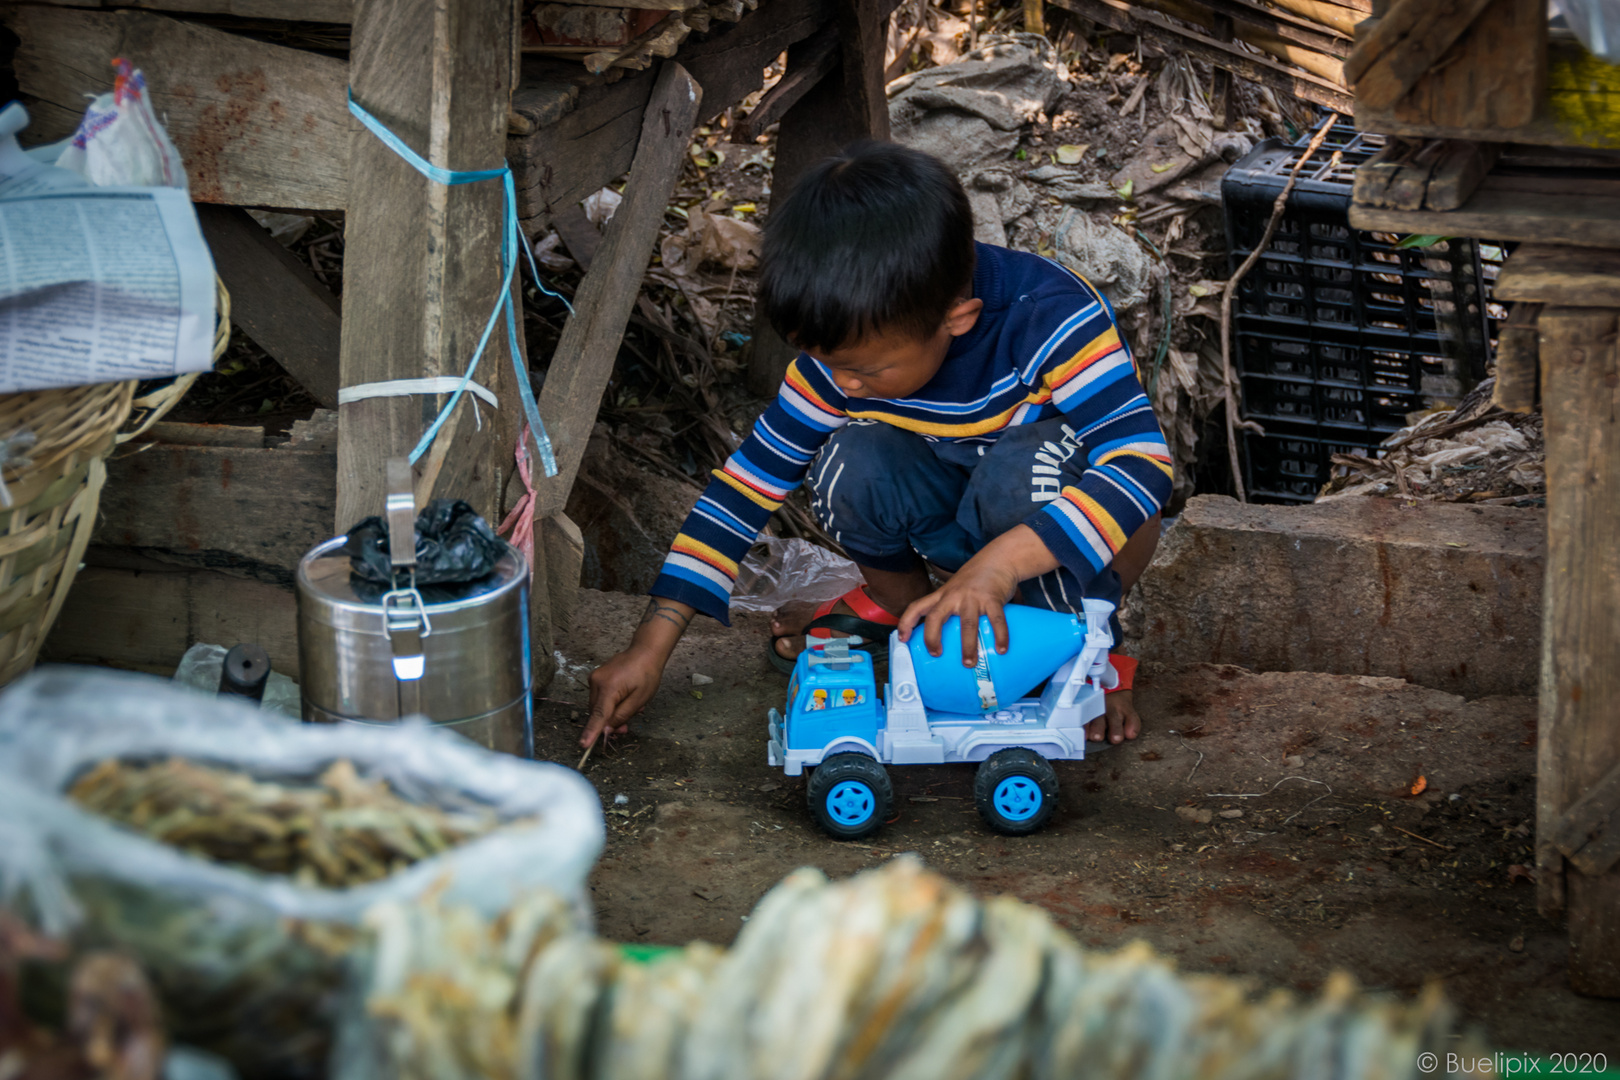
850 796
1015 791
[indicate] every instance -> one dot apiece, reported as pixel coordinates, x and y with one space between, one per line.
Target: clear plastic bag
121 143
249 965
203 664
1597 24
781 571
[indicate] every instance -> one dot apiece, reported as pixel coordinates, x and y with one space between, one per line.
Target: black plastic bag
455 548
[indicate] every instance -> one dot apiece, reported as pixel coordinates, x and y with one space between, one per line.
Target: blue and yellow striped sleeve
1084 363
701 568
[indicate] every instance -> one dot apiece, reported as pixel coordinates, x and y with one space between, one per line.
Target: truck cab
832 700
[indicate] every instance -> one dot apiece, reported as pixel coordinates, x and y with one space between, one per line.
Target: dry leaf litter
342 831
1475 453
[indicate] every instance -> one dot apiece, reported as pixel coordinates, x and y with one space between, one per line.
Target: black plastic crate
1340 334
1295 464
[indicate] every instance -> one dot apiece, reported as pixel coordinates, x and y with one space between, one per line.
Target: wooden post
1579 740
845 107
583 360
422 266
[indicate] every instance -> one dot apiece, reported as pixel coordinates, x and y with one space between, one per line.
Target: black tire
1016 791
850 796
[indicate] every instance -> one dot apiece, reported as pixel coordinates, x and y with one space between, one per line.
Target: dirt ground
1338 867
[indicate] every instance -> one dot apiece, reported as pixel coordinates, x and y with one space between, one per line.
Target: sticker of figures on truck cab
936 711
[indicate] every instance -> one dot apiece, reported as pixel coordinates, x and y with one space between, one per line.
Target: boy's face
884 365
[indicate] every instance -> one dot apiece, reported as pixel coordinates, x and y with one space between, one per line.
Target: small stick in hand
586 756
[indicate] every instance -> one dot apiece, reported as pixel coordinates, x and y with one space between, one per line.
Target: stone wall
1441 594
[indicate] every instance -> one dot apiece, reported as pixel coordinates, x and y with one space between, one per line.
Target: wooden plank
276 300
257 124
1341 17
147 619
1579 743
1502 209
1493 76
1315 50
220 505
1461 168
862 29
1518 364
835 112
175 434
325 11
1588 834
583 360
1119 15
1285 25
1548 274
1374 176
564 547
808 64
1579 108
594 142
422 260
581 237
1393 52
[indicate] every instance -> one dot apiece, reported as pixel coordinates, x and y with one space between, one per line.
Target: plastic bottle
1038 642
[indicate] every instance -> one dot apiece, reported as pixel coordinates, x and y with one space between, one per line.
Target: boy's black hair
879 237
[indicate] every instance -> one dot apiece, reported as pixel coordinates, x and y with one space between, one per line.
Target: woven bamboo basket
52 488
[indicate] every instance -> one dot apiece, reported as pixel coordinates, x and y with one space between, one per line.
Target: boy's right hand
619 690
623 685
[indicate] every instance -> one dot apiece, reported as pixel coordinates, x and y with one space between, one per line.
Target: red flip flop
861 603
870 622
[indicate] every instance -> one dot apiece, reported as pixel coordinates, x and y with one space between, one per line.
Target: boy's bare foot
788 624
1120 723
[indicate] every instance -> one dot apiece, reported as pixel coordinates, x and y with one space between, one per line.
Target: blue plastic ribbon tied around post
511 242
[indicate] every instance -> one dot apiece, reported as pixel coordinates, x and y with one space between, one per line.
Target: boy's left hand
982 587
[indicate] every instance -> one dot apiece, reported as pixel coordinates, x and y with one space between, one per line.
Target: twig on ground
1425 839
1231 290
1274 787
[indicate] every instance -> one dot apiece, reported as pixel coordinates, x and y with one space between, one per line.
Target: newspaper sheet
101 285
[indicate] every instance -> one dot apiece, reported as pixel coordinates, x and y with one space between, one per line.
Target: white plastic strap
439 384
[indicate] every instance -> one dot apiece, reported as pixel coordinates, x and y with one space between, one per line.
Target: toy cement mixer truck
935 710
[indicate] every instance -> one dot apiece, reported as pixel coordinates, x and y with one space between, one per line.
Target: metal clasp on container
405 622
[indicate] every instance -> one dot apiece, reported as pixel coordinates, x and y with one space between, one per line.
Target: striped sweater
1045 345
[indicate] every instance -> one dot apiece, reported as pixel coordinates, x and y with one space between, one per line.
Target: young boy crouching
953 402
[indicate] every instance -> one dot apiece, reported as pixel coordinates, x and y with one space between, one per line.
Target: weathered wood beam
1578 740
422 260
276 300
1393 52
1121 16
257 124
1568 210
1588 834
1518 360
594 139
833 113
326 11
212 505
808 63
147 618
1549 274
583 361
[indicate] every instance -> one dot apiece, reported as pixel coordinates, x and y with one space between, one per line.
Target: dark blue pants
888 495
